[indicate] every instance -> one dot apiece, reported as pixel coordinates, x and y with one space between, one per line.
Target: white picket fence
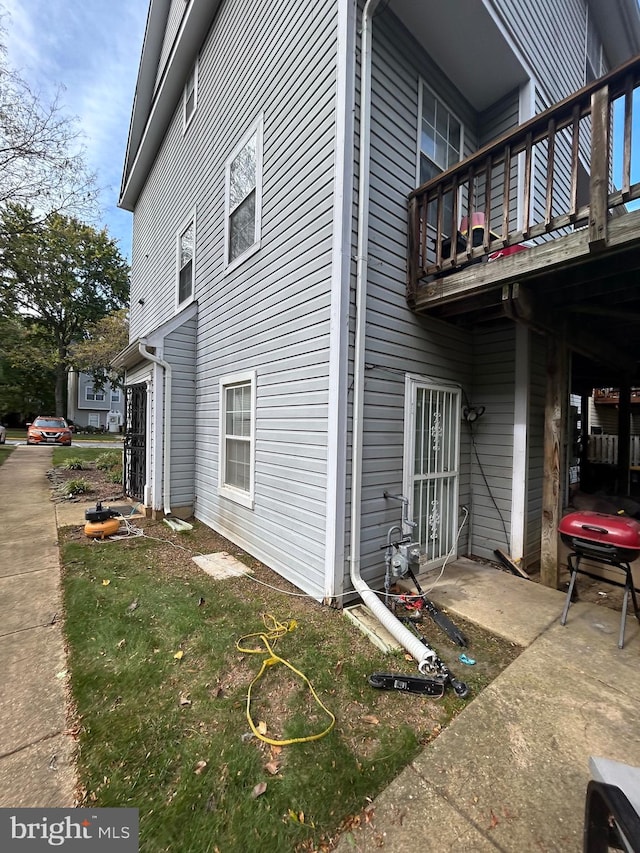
604 448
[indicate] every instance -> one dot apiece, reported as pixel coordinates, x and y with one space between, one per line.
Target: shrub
77 486
74 463
115 476
111 459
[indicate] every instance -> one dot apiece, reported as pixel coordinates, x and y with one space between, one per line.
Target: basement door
135 441
431 465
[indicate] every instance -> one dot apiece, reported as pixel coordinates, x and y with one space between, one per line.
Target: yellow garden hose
272 633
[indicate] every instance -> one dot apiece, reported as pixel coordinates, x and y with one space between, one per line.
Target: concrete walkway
510 773
36 768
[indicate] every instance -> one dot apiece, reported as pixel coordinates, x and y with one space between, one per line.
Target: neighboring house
88 406
283 385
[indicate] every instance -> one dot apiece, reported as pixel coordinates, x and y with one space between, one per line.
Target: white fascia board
156 112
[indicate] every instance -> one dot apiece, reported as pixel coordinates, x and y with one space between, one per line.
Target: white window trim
190 220
256 130
226 491
116 391
186 120
423 83
92 398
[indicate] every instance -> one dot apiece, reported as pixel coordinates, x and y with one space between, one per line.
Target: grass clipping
160 694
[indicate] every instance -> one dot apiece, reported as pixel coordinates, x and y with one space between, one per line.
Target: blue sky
92 49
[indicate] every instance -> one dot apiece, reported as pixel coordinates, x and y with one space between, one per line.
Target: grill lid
616 530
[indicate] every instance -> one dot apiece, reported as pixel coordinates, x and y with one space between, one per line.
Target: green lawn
5 452
167 732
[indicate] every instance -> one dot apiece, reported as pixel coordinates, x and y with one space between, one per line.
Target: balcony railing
558 169
611 396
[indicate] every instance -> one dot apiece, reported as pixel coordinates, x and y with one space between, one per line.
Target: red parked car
49 431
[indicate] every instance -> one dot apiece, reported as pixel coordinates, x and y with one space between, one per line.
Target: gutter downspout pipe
422 654
166 449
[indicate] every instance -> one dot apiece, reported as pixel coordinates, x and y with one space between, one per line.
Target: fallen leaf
200 766
272 767
133 606
494 820
122 643
259 790
61 674
200 601
338 668
184 699
106 582
369 718
293 816
408 657
179 655
275 750
262 727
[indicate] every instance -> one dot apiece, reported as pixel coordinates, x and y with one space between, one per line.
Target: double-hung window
94 395
243 196
186 262
439 146
115 395
190 97
237 436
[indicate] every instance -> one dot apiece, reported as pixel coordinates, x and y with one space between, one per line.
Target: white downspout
166 449
409 641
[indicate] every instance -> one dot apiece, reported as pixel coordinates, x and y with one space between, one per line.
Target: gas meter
405 557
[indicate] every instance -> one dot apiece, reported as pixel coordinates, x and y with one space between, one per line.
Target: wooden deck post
599 177
624 438
554 432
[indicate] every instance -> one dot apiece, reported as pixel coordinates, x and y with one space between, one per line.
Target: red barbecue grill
610 539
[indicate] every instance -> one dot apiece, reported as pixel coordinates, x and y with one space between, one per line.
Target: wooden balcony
582 245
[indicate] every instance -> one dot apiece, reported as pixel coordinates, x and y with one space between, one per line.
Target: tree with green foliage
58 276
27 377
103 341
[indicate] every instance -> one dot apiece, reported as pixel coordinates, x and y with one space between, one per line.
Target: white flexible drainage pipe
423 655
166 450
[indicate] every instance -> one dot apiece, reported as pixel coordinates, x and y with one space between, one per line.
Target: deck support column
554 433
624 439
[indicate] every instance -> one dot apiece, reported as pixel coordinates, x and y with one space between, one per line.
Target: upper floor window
94 395
190 96
186 257
115 395
440 137
593 52
243 196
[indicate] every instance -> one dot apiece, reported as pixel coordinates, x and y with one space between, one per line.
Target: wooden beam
624 438
521 305
566 251
599 176
554 429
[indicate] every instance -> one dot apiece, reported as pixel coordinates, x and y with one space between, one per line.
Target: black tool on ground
437 615
427 686
438 668
100 513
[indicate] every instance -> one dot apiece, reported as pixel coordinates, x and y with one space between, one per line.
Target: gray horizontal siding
551 35
493 387
272 313
398 342
176 12
180 353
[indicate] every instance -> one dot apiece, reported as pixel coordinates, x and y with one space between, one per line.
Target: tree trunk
61 389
